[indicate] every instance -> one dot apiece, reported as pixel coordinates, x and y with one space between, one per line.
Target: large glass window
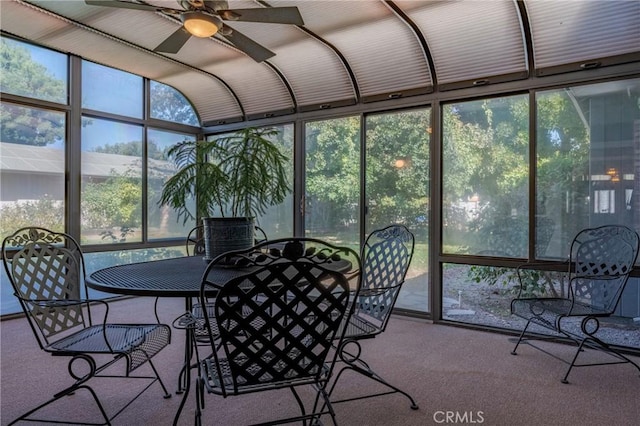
169 104
163 221
32 168
332 180
110 90
485 176
397 188
32 71
485 203
588 165
587 174
111 198
277 222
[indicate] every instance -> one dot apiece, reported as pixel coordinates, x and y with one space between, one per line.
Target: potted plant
233 179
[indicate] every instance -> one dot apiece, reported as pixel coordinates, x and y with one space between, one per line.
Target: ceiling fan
203 18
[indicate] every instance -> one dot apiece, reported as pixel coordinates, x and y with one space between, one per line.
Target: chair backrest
44 266
260 236
278 318
602 259
195 241
386 256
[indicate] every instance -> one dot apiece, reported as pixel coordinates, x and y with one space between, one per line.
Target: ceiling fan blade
269 15
122 4
256 51
174 42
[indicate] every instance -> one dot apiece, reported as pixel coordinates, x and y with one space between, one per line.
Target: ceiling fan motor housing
208 5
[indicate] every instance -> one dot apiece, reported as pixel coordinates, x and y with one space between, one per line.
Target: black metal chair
46 270
194 321
600 262
386 256
195 241
274 324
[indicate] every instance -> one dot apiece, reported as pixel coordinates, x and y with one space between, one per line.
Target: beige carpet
457 376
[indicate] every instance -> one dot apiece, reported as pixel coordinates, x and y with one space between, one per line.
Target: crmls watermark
459 417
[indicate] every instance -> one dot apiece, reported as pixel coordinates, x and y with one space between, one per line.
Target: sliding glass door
397 178
331 203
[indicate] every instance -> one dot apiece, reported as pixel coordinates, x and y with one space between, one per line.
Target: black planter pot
223 234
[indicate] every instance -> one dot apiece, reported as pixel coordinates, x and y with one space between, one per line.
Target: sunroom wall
434 101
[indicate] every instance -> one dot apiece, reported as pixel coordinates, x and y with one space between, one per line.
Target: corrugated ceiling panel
212 101
577 31
269 35
382 51
383 61
303 60
330 16
315 73
258 87
469 39
14 15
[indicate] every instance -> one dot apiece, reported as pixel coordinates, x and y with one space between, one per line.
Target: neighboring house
30 172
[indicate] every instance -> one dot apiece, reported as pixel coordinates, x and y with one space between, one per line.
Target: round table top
176 277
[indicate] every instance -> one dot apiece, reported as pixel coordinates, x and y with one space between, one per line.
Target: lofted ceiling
347 52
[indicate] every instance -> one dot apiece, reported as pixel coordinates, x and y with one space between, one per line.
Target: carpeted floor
457 376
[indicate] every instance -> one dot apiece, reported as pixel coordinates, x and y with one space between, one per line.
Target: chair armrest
187 321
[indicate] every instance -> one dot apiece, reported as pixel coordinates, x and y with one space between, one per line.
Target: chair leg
184 378
322 392
354 363
589 327
166 395
303 412
524 330
68 391
597 345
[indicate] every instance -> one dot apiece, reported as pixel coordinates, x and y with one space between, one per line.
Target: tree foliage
21 75
169 104
116 202
398 168
332 172
239 174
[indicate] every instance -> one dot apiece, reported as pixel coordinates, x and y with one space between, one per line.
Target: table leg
184 378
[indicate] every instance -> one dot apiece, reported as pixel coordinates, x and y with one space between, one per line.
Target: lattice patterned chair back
386 257
606 251
278 318
43 265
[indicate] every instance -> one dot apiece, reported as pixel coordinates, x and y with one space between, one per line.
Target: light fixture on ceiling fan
200 24
204 18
